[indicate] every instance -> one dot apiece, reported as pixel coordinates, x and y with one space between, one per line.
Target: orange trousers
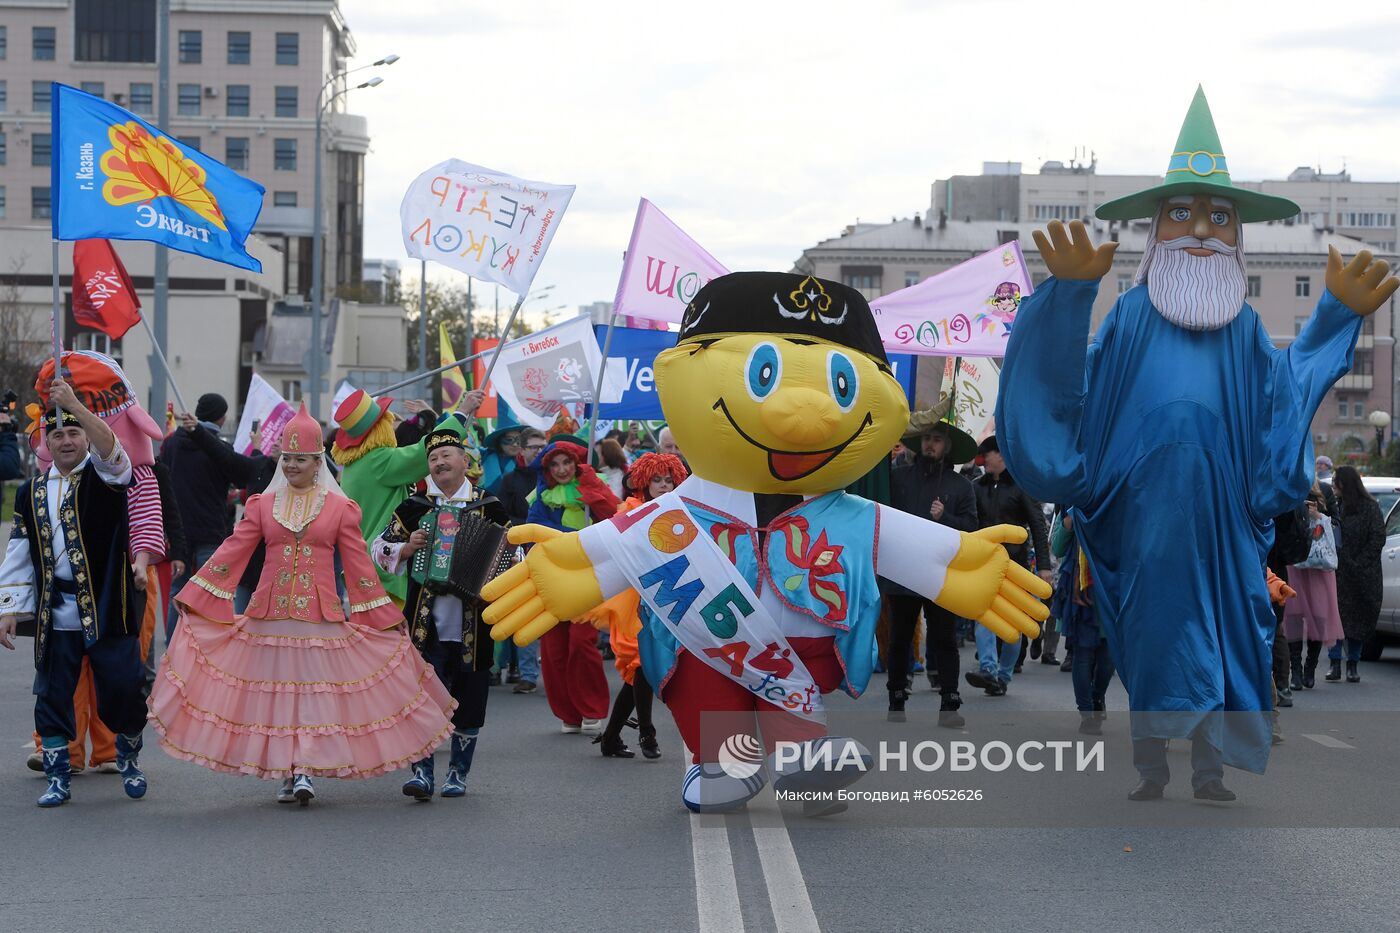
89 726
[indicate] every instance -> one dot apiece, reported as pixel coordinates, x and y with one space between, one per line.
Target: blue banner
115 176
633 354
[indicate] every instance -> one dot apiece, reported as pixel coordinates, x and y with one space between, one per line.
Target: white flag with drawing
542 372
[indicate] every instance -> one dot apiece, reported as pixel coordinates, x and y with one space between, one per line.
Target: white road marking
787 889
716 891
1327 740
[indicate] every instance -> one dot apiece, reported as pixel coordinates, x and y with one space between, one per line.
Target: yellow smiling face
775 414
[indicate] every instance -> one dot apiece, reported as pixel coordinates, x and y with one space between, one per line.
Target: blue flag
117 177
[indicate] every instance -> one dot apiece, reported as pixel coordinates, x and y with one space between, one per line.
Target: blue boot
420 786
133 779
57 768
463 748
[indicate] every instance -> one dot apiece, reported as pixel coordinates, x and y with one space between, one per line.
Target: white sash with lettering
693 589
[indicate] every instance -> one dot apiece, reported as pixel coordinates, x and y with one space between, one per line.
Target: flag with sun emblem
115 176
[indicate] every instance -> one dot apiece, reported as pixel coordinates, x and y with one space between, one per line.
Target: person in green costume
376 473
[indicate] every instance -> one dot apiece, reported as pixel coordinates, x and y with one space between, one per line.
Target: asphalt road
554 837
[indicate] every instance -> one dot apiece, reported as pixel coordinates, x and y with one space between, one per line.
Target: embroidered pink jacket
298 577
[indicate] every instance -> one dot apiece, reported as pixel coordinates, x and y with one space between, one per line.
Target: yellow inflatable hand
1071 255
555 581
985 584
1361 284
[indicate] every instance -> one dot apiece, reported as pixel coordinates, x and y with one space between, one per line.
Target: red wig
649 466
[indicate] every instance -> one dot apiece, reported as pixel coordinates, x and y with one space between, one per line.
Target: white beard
1195 292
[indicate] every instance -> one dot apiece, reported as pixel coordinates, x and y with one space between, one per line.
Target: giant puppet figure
1177 437
759 572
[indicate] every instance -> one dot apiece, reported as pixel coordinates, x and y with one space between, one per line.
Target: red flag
103 296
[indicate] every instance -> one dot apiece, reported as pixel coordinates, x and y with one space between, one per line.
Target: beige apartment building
1285 265
244 80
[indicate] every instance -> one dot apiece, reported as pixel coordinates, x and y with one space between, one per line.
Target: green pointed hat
1198 166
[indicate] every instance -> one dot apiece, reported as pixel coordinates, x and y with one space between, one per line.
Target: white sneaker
302 790
107 767
567 729
284 793
591 727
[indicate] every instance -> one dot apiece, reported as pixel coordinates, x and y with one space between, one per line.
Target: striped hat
356 416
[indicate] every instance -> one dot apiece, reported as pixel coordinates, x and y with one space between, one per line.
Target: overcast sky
763 127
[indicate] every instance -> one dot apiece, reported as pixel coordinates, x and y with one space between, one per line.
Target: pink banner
968 310
663 270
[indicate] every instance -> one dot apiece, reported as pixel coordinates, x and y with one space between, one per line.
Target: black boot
1310 664
948 715
1295 665
647 741
897 699
1334 669
613 746
1353 675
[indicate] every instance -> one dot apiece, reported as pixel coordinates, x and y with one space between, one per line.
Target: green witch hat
1198 167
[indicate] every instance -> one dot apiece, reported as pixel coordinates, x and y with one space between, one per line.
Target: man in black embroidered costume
67 564
446 629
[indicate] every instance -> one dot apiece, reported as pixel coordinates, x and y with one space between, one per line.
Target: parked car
1384 489
1388 628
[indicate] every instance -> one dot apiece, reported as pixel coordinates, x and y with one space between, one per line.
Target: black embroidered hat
51 424
783 303
448 432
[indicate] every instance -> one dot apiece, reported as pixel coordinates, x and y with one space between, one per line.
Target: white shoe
567 729
707 788
592 727
836 762
284 793
108 767
301 789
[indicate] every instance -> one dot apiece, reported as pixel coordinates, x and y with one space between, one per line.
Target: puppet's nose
800 417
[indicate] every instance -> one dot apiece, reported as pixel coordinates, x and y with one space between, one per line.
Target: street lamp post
318 227
1380 420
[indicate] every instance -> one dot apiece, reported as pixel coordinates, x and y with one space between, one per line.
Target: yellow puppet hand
1071 255
985 584
1361 284
555 581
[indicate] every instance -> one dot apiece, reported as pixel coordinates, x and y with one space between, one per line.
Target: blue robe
1176 448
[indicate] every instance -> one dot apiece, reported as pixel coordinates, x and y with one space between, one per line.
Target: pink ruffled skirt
277 698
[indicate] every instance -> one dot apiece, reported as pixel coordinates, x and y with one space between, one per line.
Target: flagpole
160 355
56 321
423 314
501 341
433 372
598 389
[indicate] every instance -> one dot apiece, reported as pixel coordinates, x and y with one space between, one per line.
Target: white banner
271 412
975 385
542 372
663 270
482 222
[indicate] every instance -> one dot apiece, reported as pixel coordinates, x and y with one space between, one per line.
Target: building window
142 98
41 149
45 43
1251 286
4 150
187 100
1368 325
236 104
2 202
1356 409
288 48
284 199
284 155
1368 219
1363 363
1125 282
286 101
863 278
1343 406
95 88
43 95
236 152
1057 212
4 96
114 30
191 47
291 390
1299 323
1302 286
39 203
4 42
240 48
911 278
189 142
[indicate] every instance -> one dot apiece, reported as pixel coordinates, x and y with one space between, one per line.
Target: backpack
1292 540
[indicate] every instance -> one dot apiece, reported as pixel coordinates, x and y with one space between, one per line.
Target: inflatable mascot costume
1177 438
758 572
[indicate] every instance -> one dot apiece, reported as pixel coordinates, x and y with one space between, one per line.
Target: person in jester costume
1176 438
758 573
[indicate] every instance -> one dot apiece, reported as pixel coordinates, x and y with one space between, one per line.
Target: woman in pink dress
1311 618
293 689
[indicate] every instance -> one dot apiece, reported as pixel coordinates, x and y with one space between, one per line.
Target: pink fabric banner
663 270
968 310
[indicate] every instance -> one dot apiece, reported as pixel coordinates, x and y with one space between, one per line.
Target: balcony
1352 382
